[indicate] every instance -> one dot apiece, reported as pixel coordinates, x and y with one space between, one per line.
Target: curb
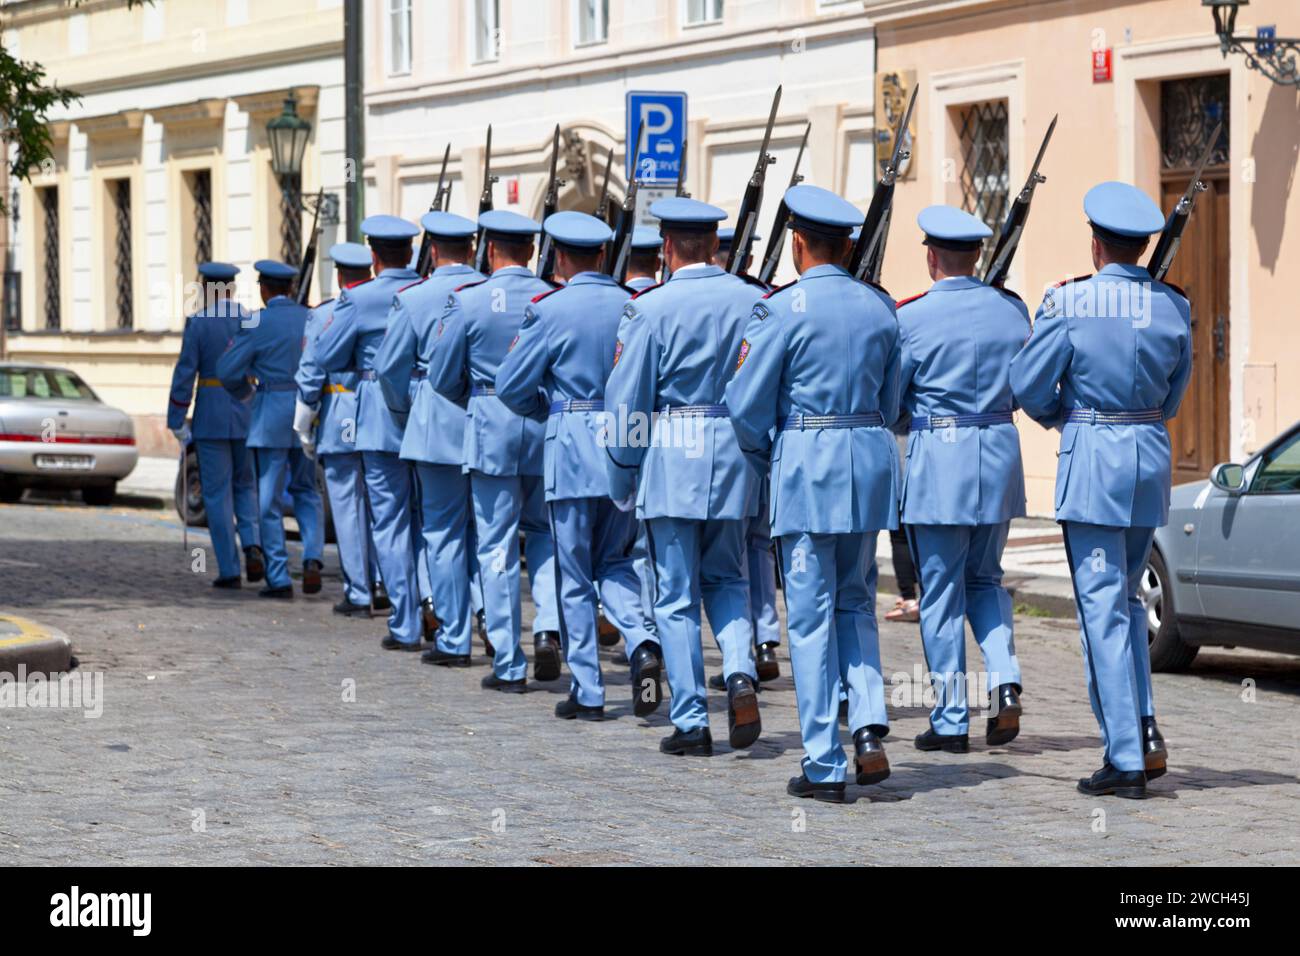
34 647
1040 601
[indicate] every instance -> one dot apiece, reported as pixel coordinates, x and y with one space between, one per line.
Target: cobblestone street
229 735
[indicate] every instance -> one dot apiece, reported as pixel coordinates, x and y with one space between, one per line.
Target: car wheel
1169 652
198 517
10 491
99 496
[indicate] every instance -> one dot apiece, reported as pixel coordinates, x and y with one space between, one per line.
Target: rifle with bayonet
776 240
602 204
1009 239
308 265
424 261
546 254
868 251
1172 235
484 205
747 218
681 172
617 267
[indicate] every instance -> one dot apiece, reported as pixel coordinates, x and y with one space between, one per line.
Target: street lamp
287 135
1273 56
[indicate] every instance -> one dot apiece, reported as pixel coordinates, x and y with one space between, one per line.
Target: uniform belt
694 411
483 390
288 386
1122 416
209 383
860 420
578 405
975 420
333 389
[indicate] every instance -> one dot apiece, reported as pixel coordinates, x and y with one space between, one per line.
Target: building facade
1139 86
163 163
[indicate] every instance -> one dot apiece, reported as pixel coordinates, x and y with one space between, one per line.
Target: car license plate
65 462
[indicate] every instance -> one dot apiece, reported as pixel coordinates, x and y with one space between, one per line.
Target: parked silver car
1226 569
55 432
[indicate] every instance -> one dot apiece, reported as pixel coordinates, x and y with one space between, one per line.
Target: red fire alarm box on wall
1101 69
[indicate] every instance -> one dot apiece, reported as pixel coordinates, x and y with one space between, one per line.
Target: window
985 179
1189 110
487 30
702 11
119 192
43 383
399 37
48 272
593 21
197 239
1280 471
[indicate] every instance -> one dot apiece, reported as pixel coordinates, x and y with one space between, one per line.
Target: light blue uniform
640 550
559 365
220 428
434 442
694 490
349 344
819 368
336 445
502 454
1113 342
269 347
964 480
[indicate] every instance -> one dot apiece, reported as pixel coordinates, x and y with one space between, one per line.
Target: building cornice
899 13
207 112
268 103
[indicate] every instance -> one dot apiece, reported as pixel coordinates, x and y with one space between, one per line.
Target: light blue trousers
503 506
388 488
960 568
279 469
593 556
345 485
1106 565
444 529
645 575
229 499
698 561
762 582
830 601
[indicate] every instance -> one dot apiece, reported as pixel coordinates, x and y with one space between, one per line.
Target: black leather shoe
311 570
228 584
480 625
718 682
429 620
688 743
647 669
953 743
607 634
766 663
347 609
254 564
1004 726
284 594
390 643
435 656
1131 784
869 756
801 786
1156 755
492 682
546 655
743 722
569 708
379 597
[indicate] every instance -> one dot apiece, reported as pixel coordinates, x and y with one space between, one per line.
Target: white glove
308 445
182 434
626 504
304 416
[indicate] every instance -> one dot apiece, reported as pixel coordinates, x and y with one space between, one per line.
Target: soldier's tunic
337 446
964 480
434 443
349 344
694 490
1108 343
502 454
269 346
220 429
819 367
558 366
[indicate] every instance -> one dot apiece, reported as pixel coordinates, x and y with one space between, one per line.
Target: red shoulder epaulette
1057 285
1177 289
542 295
910 298
353 285
412 285
772 292
649 288
469 285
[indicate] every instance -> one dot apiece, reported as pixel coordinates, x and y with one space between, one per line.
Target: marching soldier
502 452
726 236
965 481
331 399
348 344
677 348
559 364
435 430
819 364
268 346
219 429
1108 363
644 263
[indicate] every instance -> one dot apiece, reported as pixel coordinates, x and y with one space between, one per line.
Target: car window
43 383
1279 471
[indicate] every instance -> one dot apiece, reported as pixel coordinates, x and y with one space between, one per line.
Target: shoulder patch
618 351
542 295
744 353
775 289
649 288
513 343
469 285
910 298
760 311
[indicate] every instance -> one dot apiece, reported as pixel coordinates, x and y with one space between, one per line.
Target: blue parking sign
662 119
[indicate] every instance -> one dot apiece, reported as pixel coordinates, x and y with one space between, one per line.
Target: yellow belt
337 390
209 383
